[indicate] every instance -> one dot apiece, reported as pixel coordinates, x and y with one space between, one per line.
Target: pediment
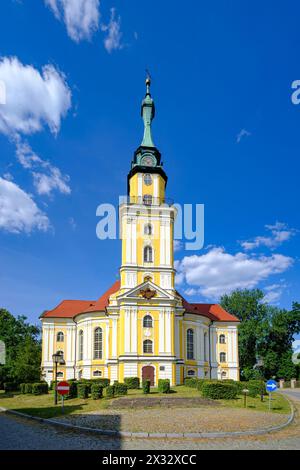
148 291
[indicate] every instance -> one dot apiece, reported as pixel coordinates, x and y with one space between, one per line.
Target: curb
143 435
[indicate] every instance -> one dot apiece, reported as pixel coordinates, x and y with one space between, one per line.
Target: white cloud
279 233
46 177
273 293
33 99
81 17
218 272
18 212
114 34
241 134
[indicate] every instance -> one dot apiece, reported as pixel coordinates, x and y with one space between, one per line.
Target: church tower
147 217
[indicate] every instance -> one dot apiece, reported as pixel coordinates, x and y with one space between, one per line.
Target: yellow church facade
142 327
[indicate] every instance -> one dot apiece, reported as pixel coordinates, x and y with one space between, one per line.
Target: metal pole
55 384
245 400
269 401
63 410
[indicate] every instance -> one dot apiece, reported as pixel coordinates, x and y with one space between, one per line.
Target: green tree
22 347
264 331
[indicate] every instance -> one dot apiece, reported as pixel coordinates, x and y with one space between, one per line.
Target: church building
142 326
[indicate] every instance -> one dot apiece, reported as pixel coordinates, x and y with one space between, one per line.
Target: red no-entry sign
63 388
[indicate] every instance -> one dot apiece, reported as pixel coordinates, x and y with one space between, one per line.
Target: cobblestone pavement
19 433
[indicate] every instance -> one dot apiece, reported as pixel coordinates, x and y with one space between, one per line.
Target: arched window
190 343
60 374
191 373
148 346
205 347
222 357
147 179
148 254
97 373
147 321
147 199
98 343
222 339
223 375
148 229
60 337
80 345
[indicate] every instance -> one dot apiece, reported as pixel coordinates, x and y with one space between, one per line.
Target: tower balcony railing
147 200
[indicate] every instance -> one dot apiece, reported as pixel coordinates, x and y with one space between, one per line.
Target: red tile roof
71 308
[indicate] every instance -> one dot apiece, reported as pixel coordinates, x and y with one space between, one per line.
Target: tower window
80 345
190 343
148 346
98 343
147 199
60 337
222 339
148 179
222 357
147 321
148 254
148 229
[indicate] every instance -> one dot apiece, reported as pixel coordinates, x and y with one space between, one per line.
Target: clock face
148 161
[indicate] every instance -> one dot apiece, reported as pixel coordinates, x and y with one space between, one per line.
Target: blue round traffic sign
271 386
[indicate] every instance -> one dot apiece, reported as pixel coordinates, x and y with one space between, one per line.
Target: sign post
271 386
63 388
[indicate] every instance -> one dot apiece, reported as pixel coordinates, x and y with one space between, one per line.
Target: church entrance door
148 373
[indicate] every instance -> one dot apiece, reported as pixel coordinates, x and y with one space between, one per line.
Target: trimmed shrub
110 391
132 382
73 389
219 390
239 385
164 385
256 387
146 386
82 390
201 382
191 382
10 387
121 389
96 391
52 384
28 388
103 382
22 388
87 383
39 388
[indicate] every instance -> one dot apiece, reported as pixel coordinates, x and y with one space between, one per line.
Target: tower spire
148 114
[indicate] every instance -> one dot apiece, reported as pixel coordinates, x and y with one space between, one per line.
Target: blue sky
225 124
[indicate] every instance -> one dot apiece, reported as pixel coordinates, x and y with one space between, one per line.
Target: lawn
43 405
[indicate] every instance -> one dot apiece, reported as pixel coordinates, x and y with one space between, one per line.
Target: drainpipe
75 359
209 350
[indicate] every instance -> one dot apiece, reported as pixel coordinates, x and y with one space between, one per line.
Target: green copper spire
148 113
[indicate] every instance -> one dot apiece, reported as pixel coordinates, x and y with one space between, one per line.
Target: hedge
73 389
191 382
121 389
10 387
82 390
39 388
96 391
52 384
22 388
256 387
103 382
132 382
28 388
110 391
201 382
164 385
219 390
146 386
